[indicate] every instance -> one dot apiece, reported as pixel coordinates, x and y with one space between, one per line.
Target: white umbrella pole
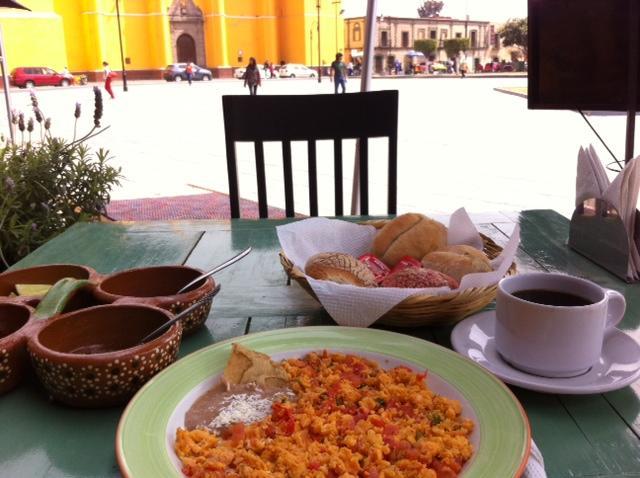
365 85
5 84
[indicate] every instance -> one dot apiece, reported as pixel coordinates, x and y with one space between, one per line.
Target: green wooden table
580 436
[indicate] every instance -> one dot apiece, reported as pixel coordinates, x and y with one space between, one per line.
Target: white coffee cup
552 340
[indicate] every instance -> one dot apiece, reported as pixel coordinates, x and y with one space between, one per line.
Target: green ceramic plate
144 440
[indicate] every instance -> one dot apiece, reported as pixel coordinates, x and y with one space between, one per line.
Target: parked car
239 73
295 70
178 72
31 76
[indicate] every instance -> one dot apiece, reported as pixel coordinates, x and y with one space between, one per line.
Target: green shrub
48 185
455 45
428 46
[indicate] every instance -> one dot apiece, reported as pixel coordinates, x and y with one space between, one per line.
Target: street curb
445 76
215 80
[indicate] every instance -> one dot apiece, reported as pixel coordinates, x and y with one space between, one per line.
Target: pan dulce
409 251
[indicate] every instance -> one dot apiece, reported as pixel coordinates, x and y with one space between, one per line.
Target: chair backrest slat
288 178
313 177
262 180
324 117
232 172
392 182
337 176
364 175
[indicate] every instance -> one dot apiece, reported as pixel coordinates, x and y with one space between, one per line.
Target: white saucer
619 364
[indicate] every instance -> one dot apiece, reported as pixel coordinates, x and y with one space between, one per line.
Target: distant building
218 34
396 37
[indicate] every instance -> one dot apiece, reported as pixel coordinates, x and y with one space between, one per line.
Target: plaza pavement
461 143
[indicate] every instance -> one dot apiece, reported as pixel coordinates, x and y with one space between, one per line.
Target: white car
294 70
239 73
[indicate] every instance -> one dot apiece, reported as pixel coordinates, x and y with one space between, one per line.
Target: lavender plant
48 184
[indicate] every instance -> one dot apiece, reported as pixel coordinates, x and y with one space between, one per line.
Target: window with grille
405 39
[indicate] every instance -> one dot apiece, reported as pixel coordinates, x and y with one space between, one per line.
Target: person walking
108 76
339 71
252 77
189 71
463 69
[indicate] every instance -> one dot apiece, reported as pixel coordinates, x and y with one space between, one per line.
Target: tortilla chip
248 366
32 289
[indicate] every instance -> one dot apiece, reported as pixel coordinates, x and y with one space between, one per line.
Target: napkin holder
597 232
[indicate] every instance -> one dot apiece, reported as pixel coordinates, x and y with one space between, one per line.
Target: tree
425 46
514 33
454 45
430 9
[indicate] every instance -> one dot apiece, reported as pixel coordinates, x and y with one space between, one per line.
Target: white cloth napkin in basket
361 306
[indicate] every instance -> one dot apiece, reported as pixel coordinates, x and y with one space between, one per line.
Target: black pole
633 80
319 51
124 72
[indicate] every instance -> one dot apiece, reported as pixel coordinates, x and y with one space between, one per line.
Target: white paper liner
361 306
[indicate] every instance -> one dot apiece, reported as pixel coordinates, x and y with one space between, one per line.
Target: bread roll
418 278
410 234
457 261
340 268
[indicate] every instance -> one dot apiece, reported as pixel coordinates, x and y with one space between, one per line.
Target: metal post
319 50
124 72
632 81
5 84
311 45
335 11
365 85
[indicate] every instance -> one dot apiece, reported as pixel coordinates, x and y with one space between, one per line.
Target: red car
28 77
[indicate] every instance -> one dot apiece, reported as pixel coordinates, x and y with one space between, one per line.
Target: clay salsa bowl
91 357
15 319
158 286
47 274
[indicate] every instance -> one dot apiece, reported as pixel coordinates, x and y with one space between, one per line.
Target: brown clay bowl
15 321
157 286
91 357
47 274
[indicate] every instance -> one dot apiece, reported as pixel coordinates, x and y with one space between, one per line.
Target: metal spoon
224 265
160 330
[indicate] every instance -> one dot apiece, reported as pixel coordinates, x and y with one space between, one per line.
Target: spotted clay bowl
157 286
90 357
15 320
47 274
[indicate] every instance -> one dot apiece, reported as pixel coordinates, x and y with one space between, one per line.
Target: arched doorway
186 47
186 24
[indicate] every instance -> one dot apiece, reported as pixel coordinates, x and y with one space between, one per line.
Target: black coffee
551 297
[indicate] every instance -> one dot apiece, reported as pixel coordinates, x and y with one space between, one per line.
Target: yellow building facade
218 34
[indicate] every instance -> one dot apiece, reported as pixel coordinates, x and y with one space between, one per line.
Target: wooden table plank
567 451
113 247
611 439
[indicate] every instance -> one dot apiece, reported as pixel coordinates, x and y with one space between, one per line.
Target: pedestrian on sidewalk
108 76
463 69
339 71
189 71
252 77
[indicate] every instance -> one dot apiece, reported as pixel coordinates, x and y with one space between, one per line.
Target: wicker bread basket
421 310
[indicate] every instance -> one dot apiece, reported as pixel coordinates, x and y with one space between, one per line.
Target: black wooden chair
310 118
